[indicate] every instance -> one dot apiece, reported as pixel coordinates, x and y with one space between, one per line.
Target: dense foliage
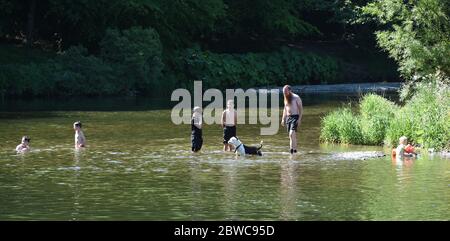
256 69
226 43
416 33
130 60
424 119
238 42
179 22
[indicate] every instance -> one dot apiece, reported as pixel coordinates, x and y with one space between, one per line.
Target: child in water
196 127
229 120
403 149
25 145
80 140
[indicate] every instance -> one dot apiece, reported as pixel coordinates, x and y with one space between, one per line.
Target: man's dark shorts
228 132
292 123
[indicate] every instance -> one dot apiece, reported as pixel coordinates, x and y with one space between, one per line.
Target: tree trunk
30 24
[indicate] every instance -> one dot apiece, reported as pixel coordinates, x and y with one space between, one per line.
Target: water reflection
196 187
75 182
401 162
288 189
229 191
403 166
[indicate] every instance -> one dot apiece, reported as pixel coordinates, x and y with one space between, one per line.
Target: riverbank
380 87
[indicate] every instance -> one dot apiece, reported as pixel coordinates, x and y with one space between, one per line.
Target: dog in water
242 149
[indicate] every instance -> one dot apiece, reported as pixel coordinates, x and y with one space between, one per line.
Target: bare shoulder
297 98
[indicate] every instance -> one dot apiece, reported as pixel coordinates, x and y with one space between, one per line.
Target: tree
136 54
416 33
267 18
30 24
178 22
13 16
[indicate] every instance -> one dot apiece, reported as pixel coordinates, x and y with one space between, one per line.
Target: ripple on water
114 161
75 168
356 155
320 182
151 156
161 170
118 153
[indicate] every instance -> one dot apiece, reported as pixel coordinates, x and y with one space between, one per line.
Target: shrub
401 125
424 119
37 79
77 73
341 126
431 113
130 61
255 69
137 55
27 79
376 115
330 127
9 80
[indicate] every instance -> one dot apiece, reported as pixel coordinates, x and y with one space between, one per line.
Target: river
138 166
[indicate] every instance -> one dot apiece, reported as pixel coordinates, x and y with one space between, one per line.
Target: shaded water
138 167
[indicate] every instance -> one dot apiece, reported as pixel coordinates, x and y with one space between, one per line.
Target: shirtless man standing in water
293 110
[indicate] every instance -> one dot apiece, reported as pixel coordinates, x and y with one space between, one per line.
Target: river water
138 166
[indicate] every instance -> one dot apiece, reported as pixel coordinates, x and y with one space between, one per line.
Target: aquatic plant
341 126
424 119
376 113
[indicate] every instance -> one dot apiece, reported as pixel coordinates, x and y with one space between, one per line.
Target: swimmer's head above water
26 140
403 140
77 125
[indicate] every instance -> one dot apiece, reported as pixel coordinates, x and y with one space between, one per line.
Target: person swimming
24 146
